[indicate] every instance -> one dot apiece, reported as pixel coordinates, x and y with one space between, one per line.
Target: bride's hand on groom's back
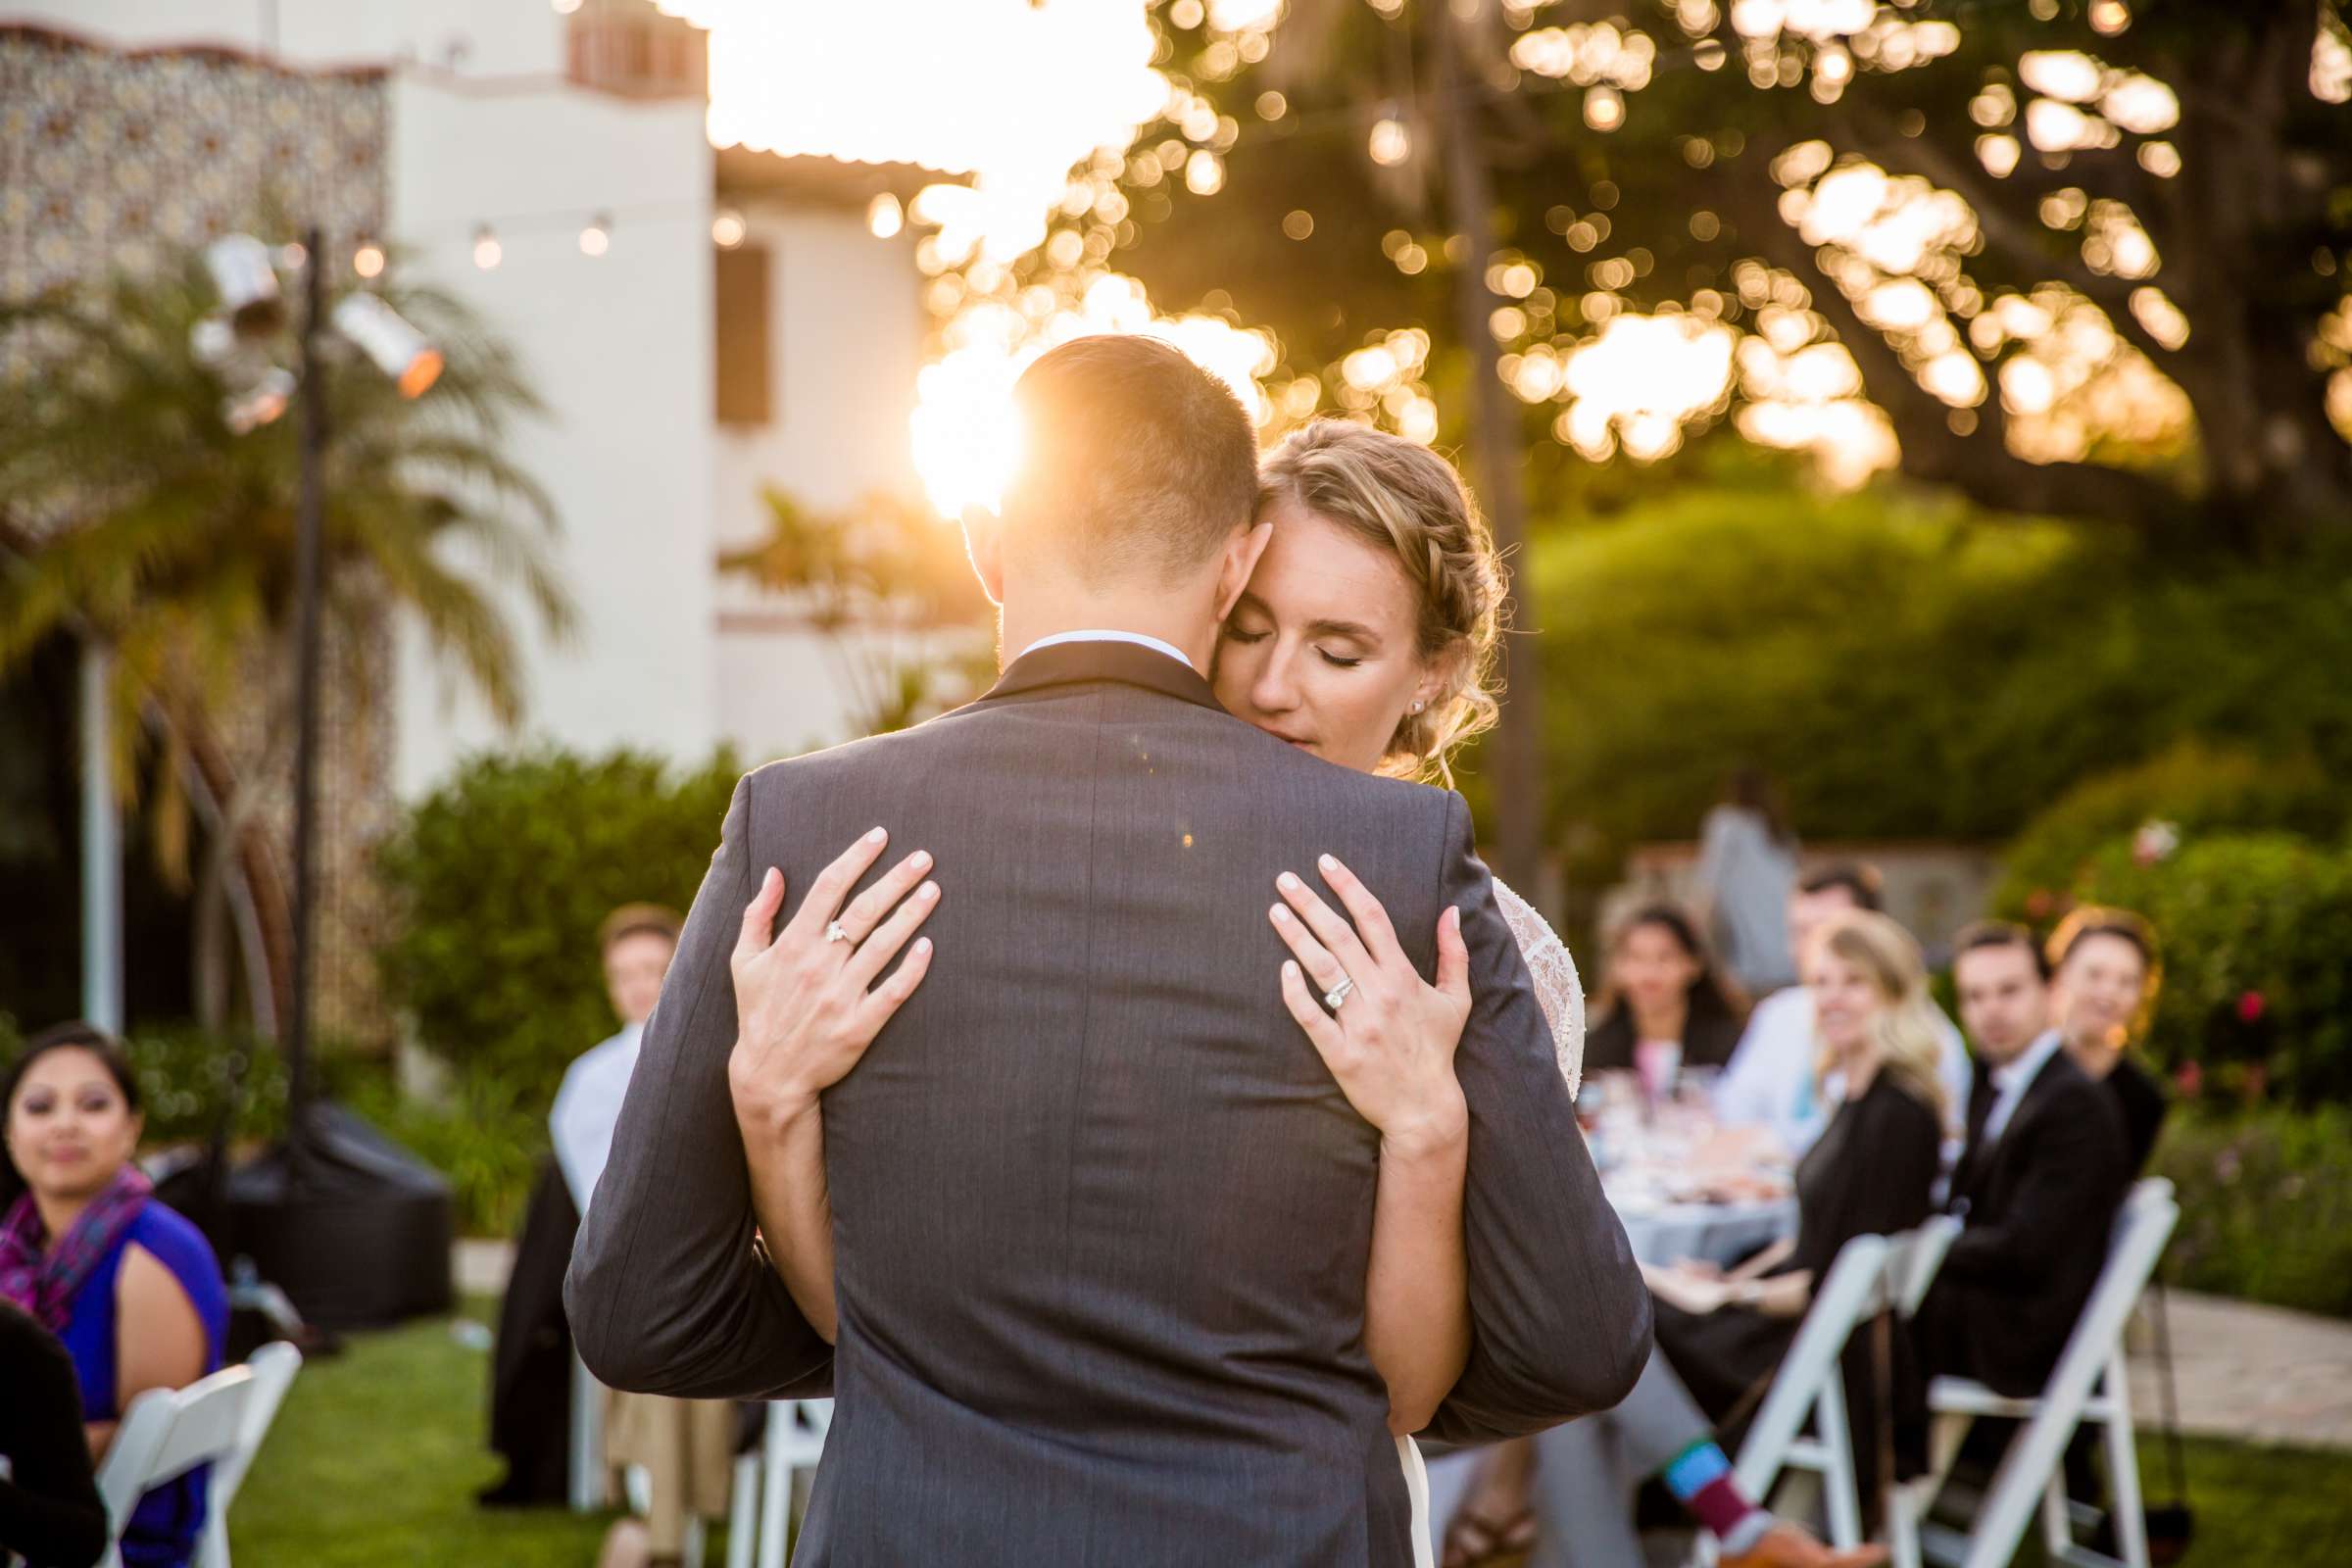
1389 1038
806 1004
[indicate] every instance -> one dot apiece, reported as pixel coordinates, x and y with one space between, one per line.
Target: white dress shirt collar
1135 637
2013 1078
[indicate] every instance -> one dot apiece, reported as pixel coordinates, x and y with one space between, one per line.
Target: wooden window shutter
741 314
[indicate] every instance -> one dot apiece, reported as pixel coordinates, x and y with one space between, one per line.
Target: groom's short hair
1135 461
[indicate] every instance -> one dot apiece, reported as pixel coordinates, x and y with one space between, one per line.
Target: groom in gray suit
1101 1216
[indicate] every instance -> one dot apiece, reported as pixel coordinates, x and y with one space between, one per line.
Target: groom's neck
1180 616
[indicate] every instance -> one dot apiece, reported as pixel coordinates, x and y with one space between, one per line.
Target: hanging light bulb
727 228
884 216
380 333
597 238
1391 143
487 252
369 259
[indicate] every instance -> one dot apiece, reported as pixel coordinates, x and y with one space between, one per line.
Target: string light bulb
884 217
597 238
487 252
369 259
727 228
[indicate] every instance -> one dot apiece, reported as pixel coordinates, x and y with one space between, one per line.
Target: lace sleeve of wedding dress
1553 971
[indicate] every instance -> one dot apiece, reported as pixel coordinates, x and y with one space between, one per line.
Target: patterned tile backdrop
112 159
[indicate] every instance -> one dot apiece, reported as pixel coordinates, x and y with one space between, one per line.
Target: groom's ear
1242 551
984 543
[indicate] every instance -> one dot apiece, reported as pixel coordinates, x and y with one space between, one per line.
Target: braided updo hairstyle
1405 499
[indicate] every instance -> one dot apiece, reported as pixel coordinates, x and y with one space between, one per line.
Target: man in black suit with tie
2044 1173
1101 1217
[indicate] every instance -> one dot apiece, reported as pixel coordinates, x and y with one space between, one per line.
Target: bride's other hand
805 1003
1391 1041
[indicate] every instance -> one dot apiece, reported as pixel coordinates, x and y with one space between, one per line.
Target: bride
1366 636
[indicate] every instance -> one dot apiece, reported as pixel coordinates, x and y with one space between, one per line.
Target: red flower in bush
2250 1007
2190 1079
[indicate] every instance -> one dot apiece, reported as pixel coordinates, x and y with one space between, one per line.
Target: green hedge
2257 936
2195 787
501 878
1904 666
2266 1206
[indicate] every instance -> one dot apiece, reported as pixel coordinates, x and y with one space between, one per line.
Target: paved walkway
2257 1374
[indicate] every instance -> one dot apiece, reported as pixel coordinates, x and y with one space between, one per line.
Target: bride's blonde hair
1903 1030
1405 499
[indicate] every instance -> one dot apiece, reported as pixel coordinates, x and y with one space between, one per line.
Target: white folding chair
1809 1382
274 1367
2090 1384
794 1442
165 1433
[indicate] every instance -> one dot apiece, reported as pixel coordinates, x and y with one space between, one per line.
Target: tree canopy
2082 258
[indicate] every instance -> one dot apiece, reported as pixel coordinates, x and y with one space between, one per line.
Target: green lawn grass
374 1460
376 1456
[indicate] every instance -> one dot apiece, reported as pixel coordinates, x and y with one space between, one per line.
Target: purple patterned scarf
45 1282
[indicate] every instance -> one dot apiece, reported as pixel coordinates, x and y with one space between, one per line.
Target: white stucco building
511 122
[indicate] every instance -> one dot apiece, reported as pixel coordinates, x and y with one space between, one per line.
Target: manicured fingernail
1286 882
769 880
921 860
927 892
1290 968
922 943
1327 862
1282 916
878 835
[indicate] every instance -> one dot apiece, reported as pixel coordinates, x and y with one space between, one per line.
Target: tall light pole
247 280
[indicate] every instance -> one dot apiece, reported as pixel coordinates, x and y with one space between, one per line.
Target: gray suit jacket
1102 1215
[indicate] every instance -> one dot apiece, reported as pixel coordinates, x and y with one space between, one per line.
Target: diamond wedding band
1338 992
834 933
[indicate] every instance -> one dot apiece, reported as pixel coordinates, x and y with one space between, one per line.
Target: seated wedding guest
2045 1170
131 1288
50 1511
2107 975
687 1447
530 1369
1663 990
1721 1333
1746 871
1769 1081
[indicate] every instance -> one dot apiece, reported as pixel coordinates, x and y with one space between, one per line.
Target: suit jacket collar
1127 663
1977 1163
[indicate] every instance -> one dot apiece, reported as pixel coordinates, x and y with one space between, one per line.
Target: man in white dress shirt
1769 1082
685 1446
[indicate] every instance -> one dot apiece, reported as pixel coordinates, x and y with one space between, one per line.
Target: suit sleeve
50 1509
2070 1179
1559 1318
667 1293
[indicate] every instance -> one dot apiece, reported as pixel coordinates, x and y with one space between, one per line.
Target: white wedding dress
1562 996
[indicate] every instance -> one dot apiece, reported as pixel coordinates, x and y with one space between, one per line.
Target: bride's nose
1274 691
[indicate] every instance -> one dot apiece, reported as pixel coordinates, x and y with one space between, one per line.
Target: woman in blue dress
129 1285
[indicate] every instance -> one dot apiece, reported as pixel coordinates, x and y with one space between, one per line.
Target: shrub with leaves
2256 929
2189 789
501 878
2266 1206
